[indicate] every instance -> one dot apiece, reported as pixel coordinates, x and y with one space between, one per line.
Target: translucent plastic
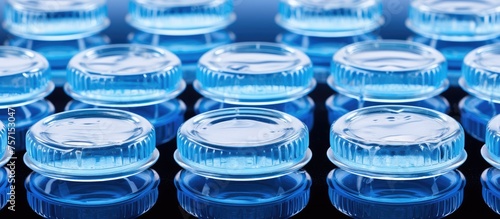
91 145
490 180
188 48
116 199
166 117
491 149
25 116
315 17
186 17
55 20
5 191
389 71
338 105
362 197
4 147
455 20
397 142
480 72
475 114
58 53
280 197
254 73
302 108
24 77
124 75
242 144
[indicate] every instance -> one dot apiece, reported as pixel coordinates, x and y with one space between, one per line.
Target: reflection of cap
388 142
91 145
490 180
55 20
24 77
242 144
124 75
330 18
180 17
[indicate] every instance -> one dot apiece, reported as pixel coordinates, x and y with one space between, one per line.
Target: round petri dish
479 72
388 71
455 20
243 144
24 117
91 145
121 198
58 53
189 17
315 17
388 142
24 77
124 75
491 151
5 190
302 108
475 114
166 117
281 197
254 73
338 105
55 20
490 180
364 197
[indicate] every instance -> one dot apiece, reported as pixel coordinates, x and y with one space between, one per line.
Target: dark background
255 22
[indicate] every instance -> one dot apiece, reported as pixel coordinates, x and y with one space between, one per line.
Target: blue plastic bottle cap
475 114
243 144
302 108
25 116
330 18
121 198
254 73
280 197
389 142
55 20
166 117
91 145
338 105
188 48
389 71
480 71
58 53
5 150
5 189
180 17
490 180
24 77
455 20
364 197
124 75
491 148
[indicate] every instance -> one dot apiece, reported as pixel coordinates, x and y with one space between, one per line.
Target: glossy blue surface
490 180
367 198
475 114
122 198
5 191
388 142
491 149
281 197
243 144
91 145
3 142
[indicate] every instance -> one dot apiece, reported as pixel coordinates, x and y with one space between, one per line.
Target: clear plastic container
91 145
5 152
243 144
475 114
491 149
490 180
397 142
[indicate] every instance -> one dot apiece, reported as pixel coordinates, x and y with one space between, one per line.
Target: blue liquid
4 187
490 180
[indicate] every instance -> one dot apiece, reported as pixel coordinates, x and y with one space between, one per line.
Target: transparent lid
491 149
358 196
254 73
280 197
91 145
186 17
55 20
480 71
4 187
54 198
315 17
242 144
388 71
24 77
389 142
455 20
490 180
124 75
